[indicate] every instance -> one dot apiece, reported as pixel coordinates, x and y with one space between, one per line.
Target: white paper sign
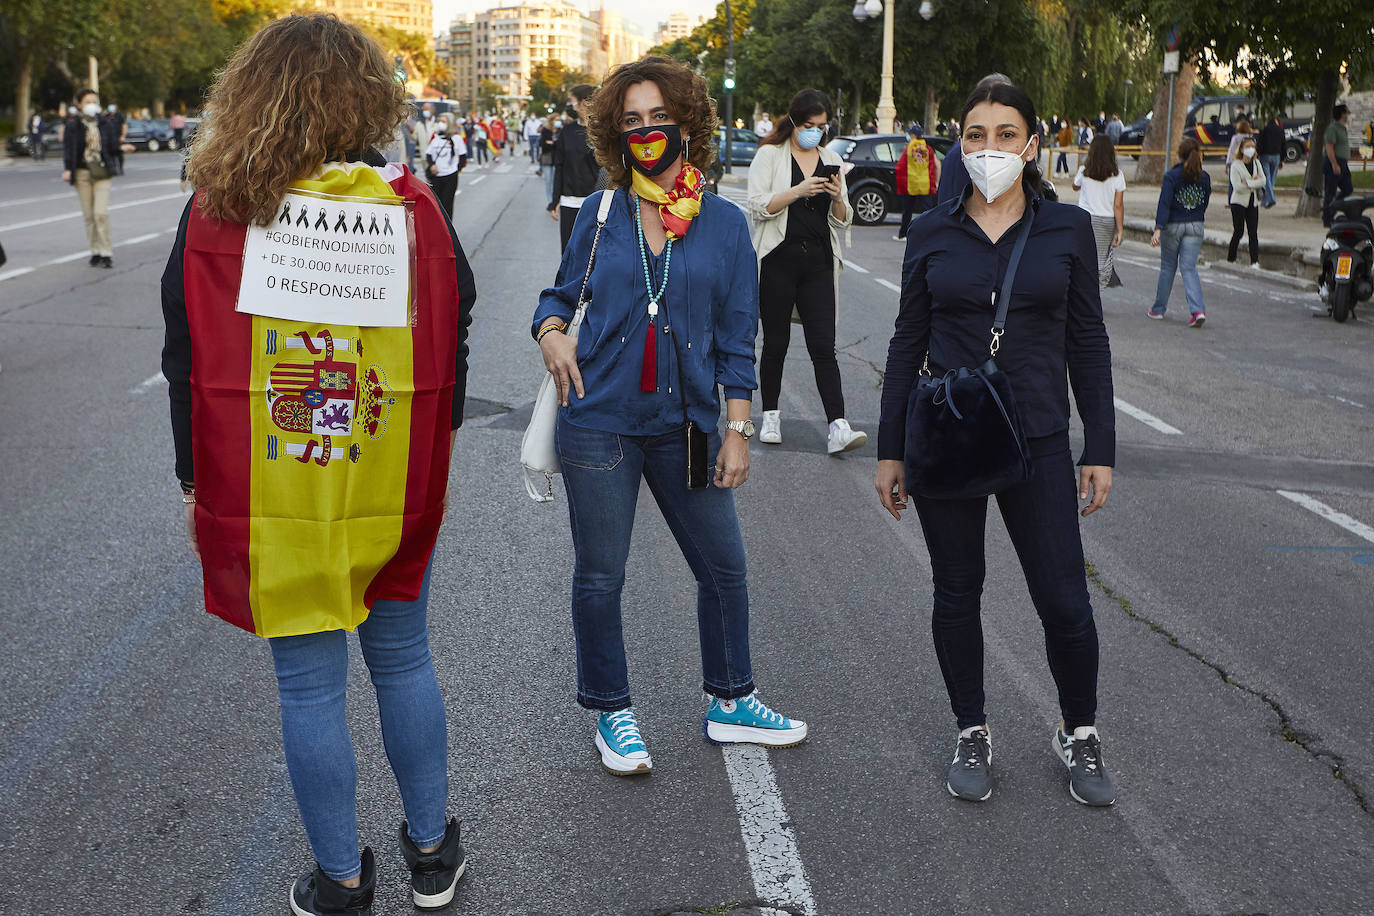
332 261
1171 61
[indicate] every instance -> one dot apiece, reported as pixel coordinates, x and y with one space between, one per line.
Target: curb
1278 259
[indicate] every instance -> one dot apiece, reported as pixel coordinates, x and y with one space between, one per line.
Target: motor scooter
1348 258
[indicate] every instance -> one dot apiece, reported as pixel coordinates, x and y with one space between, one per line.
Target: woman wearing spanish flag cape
673 313
317 303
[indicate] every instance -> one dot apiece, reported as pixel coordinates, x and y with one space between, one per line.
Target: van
1212 121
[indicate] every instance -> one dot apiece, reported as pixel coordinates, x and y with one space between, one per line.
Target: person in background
918 177
344 520
548 135
90 160
798 206
1336 162
1270 145
1055 340
1247 188
37 149
177 122
1085 132
480 142
496 128
113 113
1063 141
764 125
531 133
444 159
1102 192
672 322
1179 231
1243 129
576 173
1114 128
421 132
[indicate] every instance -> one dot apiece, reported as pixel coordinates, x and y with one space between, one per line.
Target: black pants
445 186
1041 516
1337 187
566 217
1244 219
913 203
800 274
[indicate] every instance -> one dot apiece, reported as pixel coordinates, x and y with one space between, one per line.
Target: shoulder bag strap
602 213
1001 297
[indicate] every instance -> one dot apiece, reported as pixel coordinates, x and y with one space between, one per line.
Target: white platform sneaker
844 439
771 432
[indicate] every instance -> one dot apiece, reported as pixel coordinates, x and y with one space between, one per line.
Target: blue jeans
1270 164
601 474
1041 516
312 680
1179 247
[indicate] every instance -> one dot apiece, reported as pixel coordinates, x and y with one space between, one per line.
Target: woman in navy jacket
956 256
674 308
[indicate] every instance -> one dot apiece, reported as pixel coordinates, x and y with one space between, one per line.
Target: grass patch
1361 179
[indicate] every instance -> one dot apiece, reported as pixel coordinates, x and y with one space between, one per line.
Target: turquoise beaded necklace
648 375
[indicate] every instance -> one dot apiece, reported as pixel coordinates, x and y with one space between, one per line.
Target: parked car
870 168
151 135
1211 120
18 144
743 145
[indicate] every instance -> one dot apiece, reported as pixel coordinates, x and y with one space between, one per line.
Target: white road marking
77 256
1148 419
888 283
68 258
68 194
1347 401
149 382
479 179
852 266
56 219
142 238
1354 526
774 862
18 272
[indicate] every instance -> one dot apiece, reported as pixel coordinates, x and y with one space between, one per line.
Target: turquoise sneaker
623 752
748 721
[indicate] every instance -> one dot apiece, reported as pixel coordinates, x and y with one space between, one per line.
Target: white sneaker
772 428
844 439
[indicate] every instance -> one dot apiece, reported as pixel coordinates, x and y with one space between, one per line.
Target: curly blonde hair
303 91
685 95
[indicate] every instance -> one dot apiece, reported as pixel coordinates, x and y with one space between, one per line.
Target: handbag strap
602 213
1001 297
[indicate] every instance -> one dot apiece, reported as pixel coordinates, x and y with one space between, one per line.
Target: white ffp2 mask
993 172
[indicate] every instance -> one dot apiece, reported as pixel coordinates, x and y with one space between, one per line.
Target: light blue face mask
810 137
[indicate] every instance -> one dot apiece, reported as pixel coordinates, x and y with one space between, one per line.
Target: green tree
550 84
489 95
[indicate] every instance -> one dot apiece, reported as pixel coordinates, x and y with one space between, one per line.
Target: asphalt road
140 761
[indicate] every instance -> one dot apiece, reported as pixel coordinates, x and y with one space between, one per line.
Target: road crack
1303 740
844 351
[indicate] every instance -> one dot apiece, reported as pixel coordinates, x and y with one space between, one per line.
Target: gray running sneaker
970 773
1089 781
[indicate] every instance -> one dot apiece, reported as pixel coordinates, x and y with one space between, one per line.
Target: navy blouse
1054 321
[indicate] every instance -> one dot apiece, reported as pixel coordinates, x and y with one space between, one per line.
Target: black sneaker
107 261
970 773
316 894
95 260
434 875
1089 781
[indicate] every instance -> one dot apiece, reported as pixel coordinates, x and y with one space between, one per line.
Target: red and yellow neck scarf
677 207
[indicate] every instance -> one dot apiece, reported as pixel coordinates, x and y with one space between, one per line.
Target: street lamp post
729 77
1127 104
867 9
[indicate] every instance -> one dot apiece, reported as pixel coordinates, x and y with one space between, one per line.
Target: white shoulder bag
538 457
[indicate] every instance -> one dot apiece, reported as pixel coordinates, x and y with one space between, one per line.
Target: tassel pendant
648 375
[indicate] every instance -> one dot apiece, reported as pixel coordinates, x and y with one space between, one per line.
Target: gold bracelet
539 338
188 498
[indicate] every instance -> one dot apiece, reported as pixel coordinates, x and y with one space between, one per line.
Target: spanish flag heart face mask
651 150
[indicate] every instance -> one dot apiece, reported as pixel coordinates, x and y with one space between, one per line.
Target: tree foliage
550 84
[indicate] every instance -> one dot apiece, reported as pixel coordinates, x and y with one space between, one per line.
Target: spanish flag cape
916 169
300 529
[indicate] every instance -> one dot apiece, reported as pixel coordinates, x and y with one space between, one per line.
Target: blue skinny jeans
312 681
601 474
1180 244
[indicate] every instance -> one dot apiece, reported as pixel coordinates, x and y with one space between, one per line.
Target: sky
644 13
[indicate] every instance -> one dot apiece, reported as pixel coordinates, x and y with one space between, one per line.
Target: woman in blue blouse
674 307
956 256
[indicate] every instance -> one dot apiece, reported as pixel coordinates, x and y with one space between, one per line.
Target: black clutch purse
963 432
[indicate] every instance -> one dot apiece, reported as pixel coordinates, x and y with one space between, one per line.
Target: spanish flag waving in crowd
321 446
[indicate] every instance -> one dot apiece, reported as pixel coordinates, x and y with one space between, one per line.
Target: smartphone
697 478
826 171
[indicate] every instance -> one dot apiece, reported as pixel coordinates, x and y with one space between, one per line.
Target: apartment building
407 15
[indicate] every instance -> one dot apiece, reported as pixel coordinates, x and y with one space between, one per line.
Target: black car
151 135
870 169
18 144
1211 120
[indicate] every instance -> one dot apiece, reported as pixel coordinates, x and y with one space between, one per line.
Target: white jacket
770 173
1243 186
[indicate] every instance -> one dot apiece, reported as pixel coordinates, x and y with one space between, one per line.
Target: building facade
406 15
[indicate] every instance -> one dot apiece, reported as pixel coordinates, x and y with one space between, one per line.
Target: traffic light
729 73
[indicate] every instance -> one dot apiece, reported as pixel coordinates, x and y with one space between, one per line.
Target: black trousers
800 275
445 186
566 217
1244 219
1041 516
913 203
1337 187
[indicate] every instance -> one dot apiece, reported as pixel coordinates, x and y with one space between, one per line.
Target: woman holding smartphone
798 203
671 323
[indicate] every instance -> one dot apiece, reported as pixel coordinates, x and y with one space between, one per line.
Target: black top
806 216
1270 140
74 144
1054 321
176 351
577 173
